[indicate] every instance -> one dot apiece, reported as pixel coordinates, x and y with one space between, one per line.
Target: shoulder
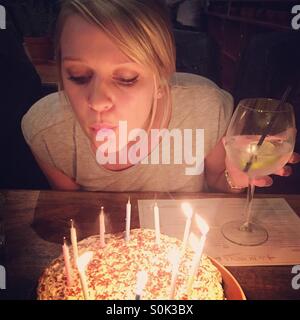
196 96
46 115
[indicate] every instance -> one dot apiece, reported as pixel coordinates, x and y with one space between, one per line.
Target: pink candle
68 269
156 224
128 218
102 227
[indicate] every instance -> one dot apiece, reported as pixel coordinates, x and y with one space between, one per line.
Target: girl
116 62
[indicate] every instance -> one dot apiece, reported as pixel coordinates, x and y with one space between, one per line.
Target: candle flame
187 209
142 278
84 260
202 225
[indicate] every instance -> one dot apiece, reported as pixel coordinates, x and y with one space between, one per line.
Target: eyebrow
73 59
67 58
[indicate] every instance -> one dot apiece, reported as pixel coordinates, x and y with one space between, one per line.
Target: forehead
85 40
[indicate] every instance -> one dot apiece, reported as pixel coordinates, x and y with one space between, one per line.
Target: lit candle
204 228
188 211
128 218
74 242
174 258
142 278
82 263
68 269
156 223
102 227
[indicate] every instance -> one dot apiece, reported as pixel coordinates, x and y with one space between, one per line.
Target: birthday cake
112 271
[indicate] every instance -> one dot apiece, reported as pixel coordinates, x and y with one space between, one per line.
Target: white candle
142 278
174 258
102 228
68 269
188 211
82 263
128 218
74 242
204 228
156 223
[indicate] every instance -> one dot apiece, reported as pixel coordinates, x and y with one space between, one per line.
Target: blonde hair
140 28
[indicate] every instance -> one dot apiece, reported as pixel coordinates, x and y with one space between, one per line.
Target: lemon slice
264 156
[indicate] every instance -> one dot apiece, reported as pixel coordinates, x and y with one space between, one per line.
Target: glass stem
250 193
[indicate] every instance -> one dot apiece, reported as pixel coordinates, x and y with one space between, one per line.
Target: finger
263 181
284 172
223 141
295 158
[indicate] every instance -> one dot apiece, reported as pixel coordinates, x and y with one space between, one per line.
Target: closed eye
127 82
80 80
85 79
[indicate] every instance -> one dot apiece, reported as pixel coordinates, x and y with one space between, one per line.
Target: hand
240 179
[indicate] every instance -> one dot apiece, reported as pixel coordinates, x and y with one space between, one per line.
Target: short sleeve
200 103
216 107
32 130
49 131
224 114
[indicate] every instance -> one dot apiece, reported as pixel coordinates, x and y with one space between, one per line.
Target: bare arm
216 162
215 168
57 179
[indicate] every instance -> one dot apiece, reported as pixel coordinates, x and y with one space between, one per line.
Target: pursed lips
102 130
102 127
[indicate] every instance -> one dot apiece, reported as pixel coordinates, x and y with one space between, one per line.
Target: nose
100 97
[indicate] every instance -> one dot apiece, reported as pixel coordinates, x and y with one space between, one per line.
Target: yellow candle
142 278
74 242
174 258
188 211
204 228
196 264
82 263
68 269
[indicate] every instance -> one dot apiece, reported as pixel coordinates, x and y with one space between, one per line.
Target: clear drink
272 155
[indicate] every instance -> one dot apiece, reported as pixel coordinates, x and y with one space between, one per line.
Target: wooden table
34 220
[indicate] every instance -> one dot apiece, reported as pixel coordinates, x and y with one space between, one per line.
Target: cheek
77 100
138 106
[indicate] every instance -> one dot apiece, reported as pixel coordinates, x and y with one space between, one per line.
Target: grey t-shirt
55 136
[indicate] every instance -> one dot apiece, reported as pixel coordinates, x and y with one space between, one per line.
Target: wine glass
259 141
